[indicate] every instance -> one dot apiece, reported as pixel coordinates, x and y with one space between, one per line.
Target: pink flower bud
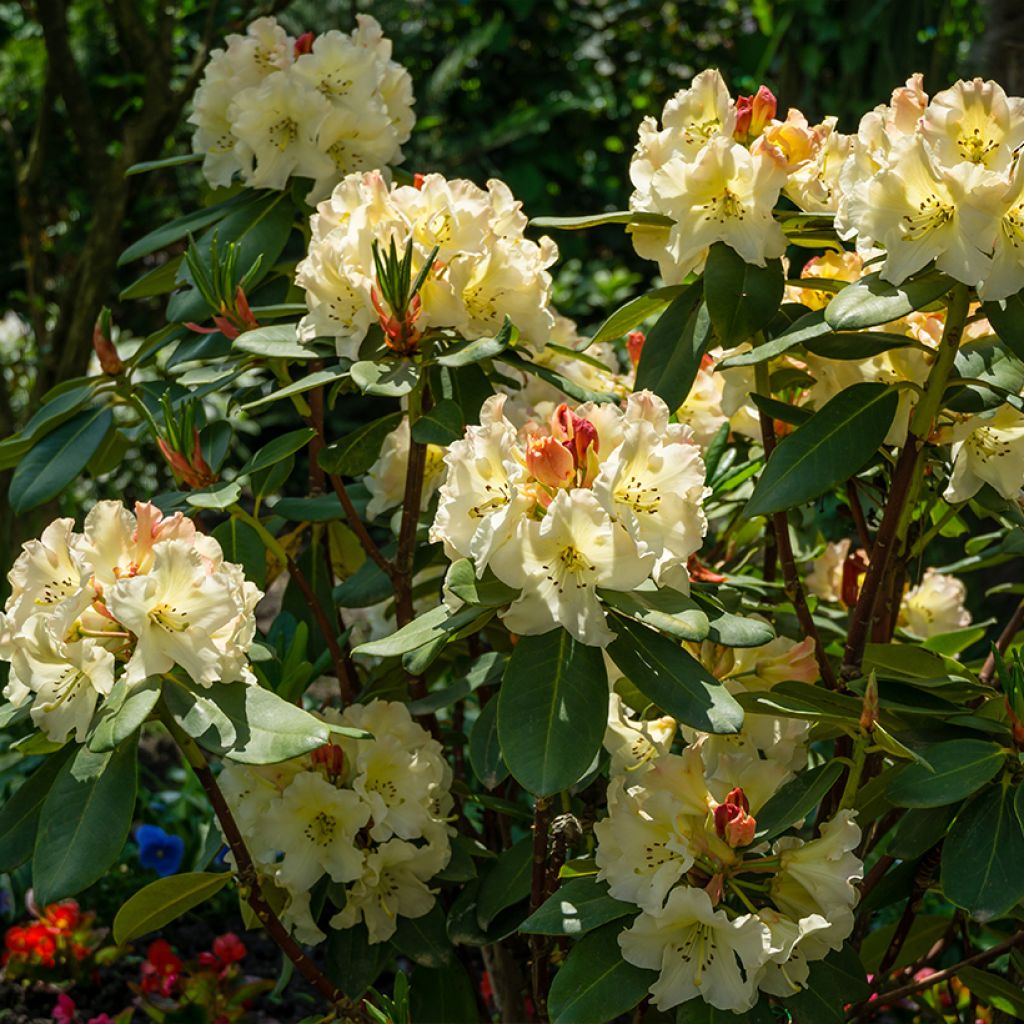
635 345
304 44
549 461
577 434
753 113
733 821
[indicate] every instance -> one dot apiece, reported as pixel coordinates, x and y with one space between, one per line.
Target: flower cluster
59 938
724 915
600 497
931 607
939 179
716 168
368 813
132 596
271 106
483 269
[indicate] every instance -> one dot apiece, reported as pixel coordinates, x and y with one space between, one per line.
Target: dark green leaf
353 964
696 1011
552 711
556 380
19 817
832 446
919 830
741 298
241 544
961 767
280 448
484 749
464 927
861 345
307 383
442 997
811 325
578 906
834 982
167 161
674 348
666 674
437 624
425 939
58 459
871 301
440 425
796 799
464 353
776 410
595 984
355 453
993 991
1007 318
84 821
507 882
667 611
982 855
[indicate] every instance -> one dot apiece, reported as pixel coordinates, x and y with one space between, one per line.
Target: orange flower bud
304 44
733 821
635 345
110 361
578 434
549 461
753 113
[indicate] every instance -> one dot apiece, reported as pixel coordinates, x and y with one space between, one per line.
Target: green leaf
634 312
667 611
982 855
1007 319
19 816
861 345
832 446
919 830
811 325
463 353
58 459
278 449
556 380
352 963
440 425
834 982
462 581
445 995
123 713
871 301
597 219
425 939
675 345
993 991
776 410
999 375
796 799
241 544
464 927
696 1011
741 298
595 984
355 453
507 882
673 679
179 228
577 907
732 630
249 723
434 625
552 711
278 341
307 383
168 161
484 749
389 379
961 767
165 900
84 821
926 930
159 281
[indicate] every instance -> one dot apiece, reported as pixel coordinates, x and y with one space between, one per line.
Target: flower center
283 133
321 829
169 618
932 213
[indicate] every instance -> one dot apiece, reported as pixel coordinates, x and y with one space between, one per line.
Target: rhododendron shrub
535 670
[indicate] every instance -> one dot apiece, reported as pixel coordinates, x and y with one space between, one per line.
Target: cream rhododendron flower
825 580
787 969
132 596
634 742
935 606
599 497
819 877
483 272
268 109
393 884
987 451
699 952
385 479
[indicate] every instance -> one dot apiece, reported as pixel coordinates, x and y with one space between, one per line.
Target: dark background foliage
544 93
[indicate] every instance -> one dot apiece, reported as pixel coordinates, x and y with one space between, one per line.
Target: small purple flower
158 850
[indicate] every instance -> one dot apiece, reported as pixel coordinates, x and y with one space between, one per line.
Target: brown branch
248 877
538 893
1012 628
791 581
862 1012
342 668
857 511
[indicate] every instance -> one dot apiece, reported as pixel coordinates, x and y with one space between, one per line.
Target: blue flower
158 850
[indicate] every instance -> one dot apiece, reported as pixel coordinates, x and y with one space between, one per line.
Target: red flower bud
733 821
330 757
110 361
417 180
304 44
635 345
577 434
753 113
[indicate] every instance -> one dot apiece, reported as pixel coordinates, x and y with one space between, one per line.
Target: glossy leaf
390 379
552 711
832 446
19 816
280 448
667 611
84 821
507 882
811 325
674 348
796 799
871 301
741 298
355 453
276 341
577 907
424 940
52 463
1007 318
165 900
961 767
673 679
634 312
440 425
484 749
123 713
595 984
442 995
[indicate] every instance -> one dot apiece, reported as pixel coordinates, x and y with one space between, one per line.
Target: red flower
65 1010
228 949
160 969
65 917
